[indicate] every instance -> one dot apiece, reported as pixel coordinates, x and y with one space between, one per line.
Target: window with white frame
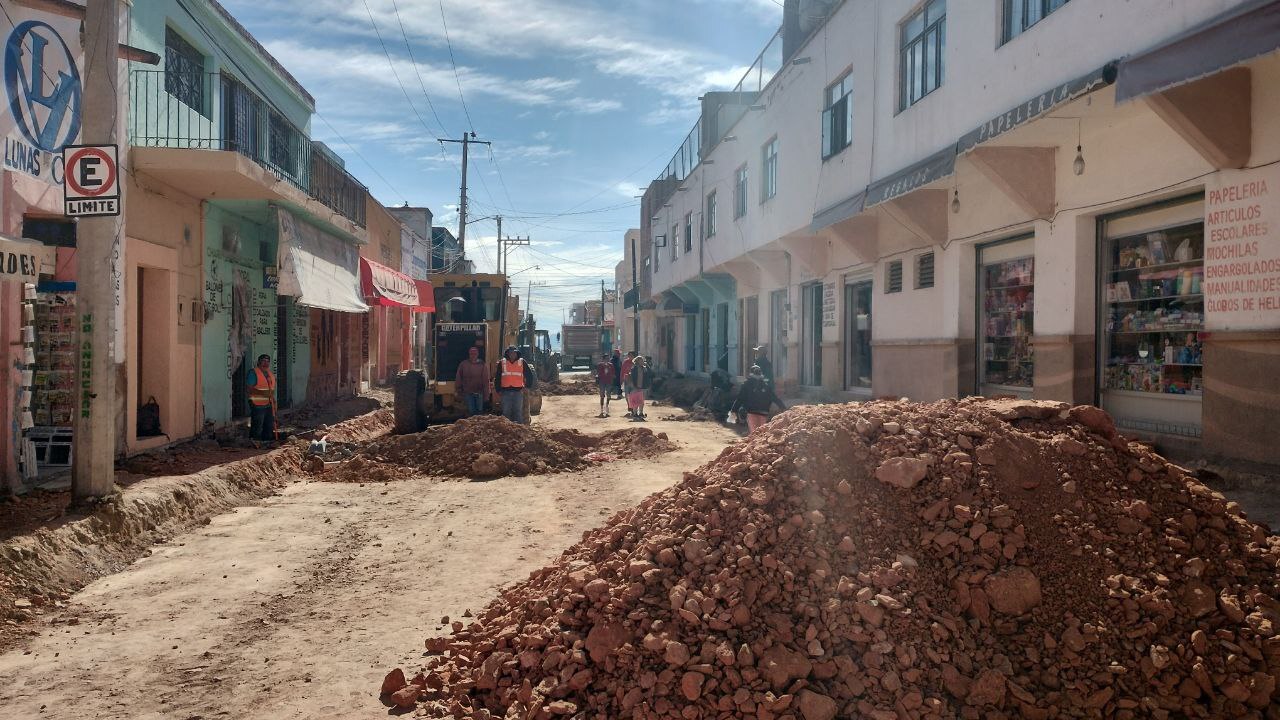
923 42
688 232
711 214
1019 15
769 170
740 192
837 116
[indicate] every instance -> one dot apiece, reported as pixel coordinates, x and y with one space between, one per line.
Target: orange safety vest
512 374
263 391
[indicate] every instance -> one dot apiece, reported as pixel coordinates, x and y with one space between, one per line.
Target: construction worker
512 378
262 398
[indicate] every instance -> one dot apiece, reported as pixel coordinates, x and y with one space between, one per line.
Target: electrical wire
444 23
416 71
395 74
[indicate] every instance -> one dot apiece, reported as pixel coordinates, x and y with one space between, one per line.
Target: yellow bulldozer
475 310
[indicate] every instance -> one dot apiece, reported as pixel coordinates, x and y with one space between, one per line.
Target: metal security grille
924 271
184 71
893 277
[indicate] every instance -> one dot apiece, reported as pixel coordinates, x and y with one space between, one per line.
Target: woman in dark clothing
762 362
757 398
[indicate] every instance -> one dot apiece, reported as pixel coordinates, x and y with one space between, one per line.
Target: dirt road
294 608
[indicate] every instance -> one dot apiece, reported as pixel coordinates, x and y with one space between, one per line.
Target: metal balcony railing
212 111
758 76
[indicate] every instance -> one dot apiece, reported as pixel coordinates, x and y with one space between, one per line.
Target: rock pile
570 386
976 559
489 446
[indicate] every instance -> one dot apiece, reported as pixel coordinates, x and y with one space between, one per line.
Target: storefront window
1152 316
1006 309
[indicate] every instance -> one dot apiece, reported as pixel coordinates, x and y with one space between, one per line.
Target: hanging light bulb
955 202
1078 165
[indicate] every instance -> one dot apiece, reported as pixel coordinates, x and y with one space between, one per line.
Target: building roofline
257 46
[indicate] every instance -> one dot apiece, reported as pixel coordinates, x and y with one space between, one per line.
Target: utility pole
600 317
635 308
501 260
505 245
97 292
467 141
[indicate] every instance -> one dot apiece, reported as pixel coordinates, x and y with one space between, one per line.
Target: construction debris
976 559
489 446
585 385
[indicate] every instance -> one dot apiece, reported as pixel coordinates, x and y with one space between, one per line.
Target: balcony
211 111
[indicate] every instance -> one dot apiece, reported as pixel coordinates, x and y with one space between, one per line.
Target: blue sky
585 101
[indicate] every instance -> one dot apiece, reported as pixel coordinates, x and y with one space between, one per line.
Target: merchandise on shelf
1008 303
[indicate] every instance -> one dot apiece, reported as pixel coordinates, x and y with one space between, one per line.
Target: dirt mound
891 560
490 446
570 386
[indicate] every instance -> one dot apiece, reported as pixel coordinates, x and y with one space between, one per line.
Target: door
722 336
1006 314
811 335
690 342
857 335
778 332
750 329
706 339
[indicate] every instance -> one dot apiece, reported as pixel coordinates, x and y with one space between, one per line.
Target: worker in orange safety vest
262 398
512 378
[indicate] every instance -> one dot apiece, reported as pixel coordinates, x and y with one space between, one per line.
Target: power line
458 79
416 71
356 152
396 74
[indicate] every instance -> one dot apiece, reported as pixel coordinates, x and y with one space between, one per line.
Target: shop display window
1153 317
1007 307
54 381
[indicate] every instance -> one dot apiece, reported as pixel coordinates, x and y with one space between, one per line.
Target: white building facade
1070 200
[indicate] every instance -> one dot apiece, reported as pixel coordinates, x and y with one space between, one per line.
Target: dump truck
579 346
475 310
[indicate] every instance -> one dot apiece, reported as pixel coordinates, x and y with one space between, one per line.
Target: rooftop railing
212 111
758 76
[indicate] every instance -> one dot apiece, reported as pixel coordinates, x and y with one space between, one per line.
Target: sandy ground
296 607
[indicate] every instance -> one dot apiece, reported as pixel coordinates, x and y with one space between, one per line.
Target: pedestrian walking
640 381
513 376
762 361
757 398
616 361
625 376
262 399
472 382
605 380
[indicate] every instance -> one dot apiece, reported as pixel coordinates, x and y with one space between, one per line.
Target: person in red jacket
605 375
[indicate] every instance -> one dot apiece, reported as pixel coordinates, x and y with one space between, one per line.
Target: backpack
149 419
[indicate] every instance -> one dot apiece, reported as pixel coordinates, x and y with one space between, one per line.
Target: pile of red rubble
489 446
570 386
977 559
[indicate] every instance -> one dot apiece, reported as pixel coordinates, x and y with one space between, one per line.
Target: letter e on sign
92 184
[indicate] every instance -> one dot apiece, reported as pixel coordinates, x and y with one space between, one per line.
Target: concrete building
236 202
1051 199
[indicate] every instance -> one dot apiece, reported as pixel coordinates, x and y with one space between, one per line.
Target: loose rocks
892 560
489 446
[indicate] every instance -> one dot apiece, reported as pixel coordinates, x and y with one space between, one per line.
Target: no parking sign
92 184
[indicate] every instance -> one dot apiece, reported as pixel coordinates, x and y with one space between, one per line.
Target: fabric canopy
383 286
426 297
1238 35
317 268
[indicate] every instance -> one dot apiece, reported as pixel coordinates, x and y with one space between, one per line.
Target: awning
386 287
25 260
317 268
1035 107
935 167
426 297
1234 37
839 212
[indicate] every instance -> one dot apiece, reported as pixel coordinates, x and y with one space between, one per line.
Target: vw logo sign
43 83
